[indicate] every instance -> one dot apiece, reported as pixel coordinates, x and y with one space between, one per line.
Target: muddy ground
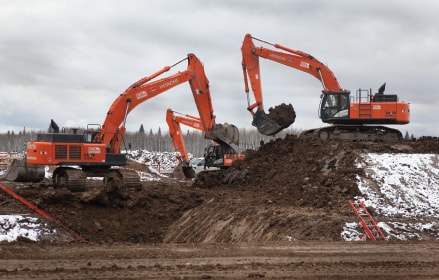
291 192
273 260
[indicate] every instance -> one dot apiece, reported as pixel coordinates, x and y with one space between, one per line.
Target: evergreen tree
141 129
159 140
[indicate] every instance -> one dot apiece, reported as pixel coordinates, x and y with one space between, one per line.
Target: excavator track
70 178
357 133
75 179
129 178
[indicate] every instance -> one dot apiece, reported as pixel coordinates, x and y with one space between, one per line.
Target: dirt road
273 260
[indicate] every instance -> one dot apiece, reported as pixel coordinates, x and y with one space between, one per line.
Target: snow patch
401 187
14 226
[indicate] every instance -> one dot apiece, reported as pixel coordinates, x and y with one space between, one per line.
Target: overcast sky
69 60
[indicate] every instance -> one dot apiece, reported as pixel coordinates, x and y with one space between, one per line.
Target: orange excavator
96 152
357 118
218 154
173 120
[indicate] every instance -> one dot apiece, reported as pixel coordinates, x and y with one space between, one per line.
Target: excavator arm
225 134
291 58
174 122
113 128
272 123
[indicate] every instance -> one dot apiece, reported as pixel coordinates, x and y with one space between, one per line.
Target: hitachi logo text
277 56
141 95
170 83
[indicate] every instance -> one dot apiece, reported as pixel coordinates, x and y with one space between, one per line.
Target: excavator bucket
278 118
188 171
184 170
227 134
265 124
19 171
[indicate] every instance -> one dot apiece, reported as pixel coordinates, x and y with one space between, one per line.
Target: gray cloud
69 60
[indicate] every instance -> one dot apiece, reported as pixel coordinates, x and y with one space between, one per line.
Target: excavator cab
213 154
334 105
91 132
217 154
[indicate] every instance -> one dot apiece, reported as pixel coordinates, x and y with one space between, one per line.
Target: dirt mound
426 144
299 171
296 187
307 160
291 188
123 215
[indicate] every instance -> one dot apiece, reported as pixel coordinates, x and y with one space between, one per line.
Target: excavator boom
291 58
279 117
174 122
113 128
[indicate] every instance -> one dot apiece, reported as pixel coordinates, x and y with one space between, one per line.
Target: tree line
156 141
153 141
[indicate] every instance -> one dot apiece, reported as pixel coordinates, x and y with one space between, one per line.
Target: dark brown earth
283 114
290 190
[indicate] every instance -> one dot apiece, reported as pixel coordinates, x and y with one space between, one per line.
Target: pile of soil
283 114
278 118
291 188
